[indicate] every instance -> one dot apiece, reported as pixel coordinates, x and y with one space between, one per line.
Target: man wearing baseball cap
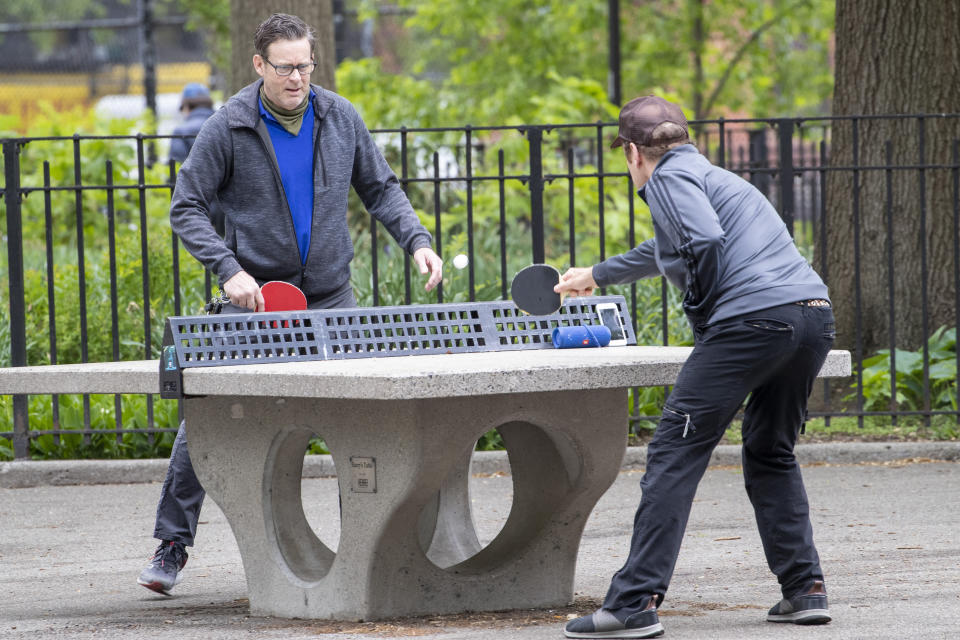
196 106
762 325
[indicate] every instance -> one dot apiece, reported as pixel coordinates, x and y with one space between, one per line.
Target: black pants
181 496
773 356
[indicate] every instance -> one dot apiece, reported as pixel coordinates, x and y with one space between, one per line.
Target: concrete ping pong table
401 431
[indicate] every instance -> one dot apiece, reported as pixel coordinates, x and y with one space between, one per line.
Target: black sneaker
603 624
806 608
163 572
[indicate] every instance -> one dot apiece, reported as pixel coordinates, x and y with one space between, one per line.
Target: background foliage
498 62
907 368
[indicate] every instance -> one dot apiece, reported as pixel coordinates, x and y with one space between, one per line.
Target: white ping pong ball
461 261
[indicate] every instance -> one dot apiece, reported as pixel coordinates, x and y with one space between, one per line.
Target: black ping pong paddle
532 290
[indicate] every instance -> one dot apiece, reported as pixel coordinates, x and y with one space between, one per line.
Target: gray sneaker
603 624
806 608
164 571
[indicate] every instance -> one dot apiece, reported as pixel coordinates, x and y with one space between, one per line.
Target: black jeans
181 495
773 356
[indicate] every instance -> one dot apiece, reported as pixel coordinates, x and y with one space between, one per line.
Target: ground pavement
888 534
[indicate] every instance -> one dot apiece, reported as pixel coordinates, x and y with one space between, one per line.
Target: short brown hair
282 26
666 136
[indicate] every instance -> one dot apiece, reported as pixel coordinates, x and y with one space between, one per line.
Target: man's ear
634 157
258 64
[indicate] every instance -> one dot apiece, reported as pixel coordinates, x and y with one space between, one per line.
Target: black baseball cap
641 116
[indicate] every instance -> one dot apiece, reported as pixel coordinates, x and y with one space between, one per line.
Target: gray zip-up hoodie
717 238
233 160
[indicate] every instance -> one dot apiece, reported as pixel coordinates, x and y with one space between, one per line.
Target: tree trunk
893 57
245 15
698 44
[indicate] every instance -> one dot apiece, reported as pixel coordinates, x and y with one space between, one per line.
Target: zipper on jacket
318 128
316 152
687 425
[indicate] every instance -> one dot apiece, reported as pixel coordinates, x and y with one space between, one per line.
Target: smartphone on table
610 317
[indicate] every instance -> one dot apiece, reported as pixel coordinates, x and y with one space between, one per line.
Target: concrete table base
401 431
407 544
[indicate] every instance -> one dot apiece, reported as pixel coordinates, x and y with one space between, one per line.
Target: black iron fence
92 268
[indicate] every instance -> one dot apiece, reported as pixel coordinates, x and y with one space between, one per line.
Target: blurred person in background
196 106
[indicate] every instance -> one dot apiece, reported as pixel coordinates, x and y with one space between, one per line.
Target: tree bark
698 44
893 57
245 15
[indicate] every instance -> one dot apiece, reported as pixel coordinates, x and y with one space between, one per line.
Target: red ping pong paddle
282 296
532 290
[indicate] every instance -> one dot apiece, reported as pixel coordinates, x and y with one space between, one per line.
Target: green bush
909 382
106 441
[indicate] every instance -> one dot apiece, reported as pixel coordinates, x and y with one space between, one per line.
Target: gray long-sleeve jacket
233 160
717 238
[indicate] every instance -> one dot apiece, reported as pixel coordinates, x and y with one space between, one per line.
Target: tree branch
650 5
742 51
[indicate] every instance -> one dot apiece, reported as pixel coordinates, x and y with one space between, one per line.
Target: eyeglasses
285 70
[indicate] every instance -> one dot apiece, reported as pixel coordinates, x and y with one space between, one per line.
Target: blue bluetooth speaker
585 335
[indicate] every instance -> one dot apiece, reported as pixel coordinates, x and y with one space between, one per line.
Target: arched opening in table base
304 509
543 467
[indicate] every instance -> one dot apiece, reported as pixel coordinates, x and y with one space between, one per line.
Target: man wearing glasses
280 157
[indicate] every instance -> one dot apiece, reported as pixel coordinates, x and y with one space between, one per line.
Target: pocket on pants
682 419
830 330
769 324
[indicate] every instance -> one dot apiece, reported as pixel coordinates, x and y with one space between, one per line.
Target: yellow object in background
21 93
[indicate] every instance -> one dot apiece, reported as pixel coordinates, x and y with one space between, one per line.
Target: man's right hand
243 291
577 281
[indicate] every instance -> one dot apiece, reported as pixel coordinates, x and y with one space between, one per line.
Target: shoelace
169 551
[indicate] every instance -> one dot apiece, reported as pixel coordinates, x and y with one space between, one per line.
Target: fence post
535 138
785 128
18 324
613 57
148 58
758 168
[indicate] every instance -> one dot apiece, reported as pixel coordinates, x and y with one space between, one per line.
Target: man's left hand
429 262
